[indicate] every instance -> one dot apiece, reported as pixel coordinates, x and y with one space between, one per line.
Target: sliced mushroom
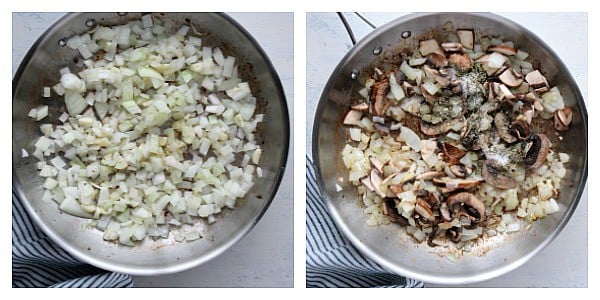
389 209
452 154
445 212
538 150
536 80
382 129
470 203
360 106
563 118
366 181
448 184
429 46
377 164
376 182
452 47
442 78
424 210
429 175
352 117
379 97
466 37
433 130
492 174
511 78
520 129
460 170
503 49
437 60
462 61
502 91
454 234
503 128
378 74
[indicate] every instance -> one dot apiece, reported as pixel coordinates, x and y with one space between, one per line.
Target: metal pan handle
349 29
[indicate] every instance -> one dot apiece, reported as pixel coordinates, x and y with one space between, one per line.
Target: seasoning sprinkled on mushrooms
457 138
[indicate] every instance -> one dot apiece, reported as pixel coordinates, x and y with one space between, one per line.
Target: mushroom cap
503 128
473 206
492 174
540 146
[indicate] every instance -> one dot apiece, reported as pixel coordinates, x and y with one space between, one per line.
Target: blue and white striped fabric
39 262
331 260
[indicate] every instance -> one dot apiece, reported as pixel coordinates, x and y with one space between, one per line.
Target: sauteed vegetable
459 142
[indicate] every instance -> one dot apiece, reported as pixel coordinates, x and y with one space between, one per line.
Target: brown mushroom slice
376 181
536 80
502 91
433 130
382 129
454 234
377 164
538 150
462 61
511 78
452 47
429 46
460 170
429 175
470 203
360 106
379 97
452 154
503 128
366 181
492 174
424 210
352 117
445 212
520 129
451 184
503 49
378 74
438 60
389 208
466 37
563 118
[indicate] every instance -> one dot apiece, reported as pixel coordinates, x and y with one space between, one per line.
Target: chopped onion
154 151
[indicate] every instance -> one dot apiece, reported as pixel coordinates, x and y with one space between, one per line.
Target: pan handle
347 26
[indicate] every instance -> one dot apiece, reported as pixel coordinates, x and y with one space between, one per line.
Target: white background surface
264 257
564 263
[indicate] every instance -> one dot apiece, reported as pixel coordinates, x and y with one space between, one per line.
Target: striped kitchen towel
331 260
39 262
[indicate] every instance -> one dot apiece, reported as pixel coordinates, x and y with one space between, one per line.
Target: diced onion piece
46 92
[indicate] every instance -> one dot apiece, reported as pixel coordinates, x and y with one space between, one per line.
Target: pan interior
389 245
